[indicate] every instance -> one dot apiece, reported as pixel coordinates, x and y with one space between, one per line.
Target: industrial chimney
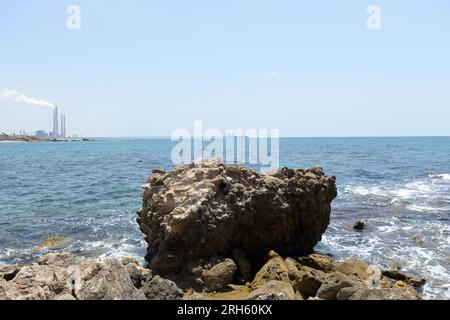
55 123
63 126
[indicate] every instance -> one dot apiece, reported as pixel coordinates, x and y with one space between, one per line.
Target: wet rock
359 225
405 277
54 242
374 294
207 208
161 289
419 240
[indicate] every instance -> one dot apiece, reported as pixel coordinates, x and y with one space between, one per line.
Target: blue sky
308 68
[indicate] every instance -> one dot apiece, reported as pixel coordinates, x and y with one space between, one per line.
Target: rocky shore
220 232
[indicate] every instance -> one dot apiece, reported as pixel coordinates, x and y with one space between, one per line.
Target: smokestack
55 122
63 126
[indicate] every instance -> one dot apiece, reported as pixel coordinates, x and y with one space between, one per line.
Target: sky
308 68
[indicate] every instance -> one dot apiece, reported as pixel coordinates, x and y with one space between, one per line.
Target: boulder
334 282
275 269
273 290
375 294
219 276
405 277
161 289
359 225
355 267
318 261
207 208
308 281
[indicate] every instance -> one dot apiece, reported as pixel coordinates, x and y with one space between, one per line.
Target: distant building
55 123
41 134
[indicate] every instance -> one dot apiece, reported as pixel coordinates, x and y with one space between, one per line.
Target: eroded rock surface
208 208
64 276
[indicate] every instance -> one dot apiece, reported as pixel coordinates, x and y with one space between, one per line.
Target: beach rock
374 294
318 262
161 289
219 276
405 277
208 208
273 290
359 225
275 269
54 242
308 281
58 276
334 282
8 273
357 268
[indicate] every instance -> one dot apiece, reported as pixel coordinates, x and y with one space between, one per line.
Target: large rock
207 208
334 283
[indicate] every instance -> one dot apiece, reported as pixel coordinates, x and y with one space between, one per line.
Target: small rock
54 242
354 267
334 283
220 275
405 277
418 240
359 225
273 290
161 289
318 262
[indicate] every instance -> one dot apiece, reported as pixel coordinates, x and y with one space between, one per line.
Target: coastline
221 256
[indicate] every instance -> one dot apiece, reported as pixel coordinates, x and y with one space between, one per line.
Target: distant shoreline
18 139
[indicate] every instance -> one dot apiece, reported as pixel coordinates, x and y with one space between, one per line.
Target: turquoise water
89 192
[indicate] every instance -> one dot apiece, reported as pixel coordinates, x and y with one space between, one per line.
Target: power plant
57 133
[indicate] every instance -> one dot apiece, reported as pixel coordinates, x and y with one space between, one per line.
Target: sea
88 192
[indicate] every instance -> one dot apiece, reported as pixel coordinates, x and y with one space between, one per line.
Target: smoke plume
16 96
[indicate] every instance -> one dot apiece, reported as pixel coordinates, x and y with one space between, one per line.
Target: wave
443 176
430 194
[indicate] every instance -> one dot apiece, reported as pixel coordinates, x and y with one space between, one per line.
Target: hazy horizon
144 68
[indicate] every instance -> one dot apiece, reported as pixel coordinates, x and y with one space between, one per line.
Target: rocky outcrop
64 276
317 277
207 208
